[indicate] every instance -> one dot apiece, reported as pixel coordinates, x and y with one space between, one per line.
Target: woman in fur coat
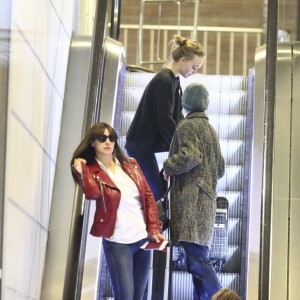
195 164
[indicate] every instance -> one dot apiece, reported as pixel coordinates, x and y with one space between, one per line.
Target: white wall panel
53 25
23 168
23 276
69 16
61 60
52 129
40 40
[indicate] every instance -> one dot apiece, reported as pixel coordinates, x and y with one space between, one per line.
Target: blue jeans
128 267
205 279
150 169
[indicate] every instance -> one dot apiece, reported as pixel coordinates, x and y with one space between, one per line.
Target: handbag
162 209
89 185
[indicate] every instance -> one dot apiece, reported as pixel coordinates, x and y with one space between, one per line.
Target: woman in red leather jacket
126 213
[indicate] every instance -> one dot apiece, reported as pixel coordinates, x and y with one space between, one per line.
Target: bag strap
167 190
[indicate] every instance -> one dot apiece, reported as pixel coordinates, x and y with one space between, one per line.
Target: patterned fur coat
195 163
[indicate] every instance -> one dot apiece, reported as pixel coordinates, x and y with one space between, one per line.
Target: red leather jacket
108 201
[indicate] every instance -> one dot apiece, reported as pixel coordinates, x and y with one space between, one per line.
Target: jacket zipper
136 174
101 183
103 197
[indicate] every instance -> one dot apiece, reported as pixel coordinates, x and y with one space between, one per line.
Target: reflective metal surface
279 231
255 190
65 213
294 245
269 99
278 190
114 56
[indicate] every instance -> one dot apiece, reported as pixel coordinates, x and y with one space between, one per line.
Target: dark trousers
149 166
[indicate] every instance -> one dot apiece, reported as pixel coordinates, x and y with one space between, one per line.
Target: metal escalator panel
284 240
62 207
280 181
114 58
91 257
294 270
71 267
113 68
227 114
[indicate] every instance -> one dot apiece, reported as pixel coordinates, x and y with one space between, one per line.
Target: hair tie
181 43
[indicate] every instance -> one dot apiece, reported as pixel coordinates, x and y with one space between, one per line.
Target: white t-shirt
130 226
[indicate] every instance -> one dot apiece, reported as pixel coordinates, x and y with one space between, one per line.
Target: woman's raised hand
77 162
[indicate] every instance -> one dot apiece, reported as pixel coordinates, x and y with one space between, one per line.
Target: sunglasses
102 138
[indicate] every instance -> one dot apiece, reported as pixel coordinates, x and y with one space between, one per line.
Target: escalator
100 88
228 113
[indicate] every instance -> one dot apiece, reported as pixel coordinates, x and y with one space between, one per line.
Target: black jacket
157 115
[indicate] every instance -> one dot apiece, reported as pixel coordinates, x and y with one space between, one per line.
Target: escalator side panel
63 192
294 270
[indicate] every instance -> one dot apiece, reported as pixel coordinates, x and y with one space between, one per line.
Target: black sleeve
164 103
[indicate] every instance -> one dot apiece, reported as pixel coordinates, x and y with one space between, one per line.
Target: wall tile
22 167
53 129
40 42
58 7
67 16
21 79
23 276
52 39
41 17
47 180
24 18
61 61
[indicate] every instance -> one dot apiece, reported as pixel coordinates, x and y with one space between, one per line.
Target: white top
130 226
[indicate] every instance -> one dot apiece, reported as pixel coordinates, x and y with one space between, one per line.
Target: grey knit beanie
195 97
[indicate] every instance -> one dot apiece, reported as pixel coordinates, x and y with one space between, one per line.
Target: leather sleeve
87 183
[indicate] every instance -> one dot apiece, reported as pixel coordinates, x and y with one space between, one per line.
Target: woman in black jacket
159 110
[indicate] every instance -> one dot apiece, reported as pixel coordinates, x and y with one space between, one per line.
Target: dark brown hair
87 152
184 47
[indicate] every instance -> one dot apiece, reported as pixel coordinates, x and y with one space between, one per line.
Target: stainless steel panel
114 57
60 229
294 269
64 186
255 189
280 233
280 177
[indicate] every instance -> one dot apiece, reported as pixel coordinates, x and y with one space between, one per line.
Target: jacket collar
197 114
97 171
